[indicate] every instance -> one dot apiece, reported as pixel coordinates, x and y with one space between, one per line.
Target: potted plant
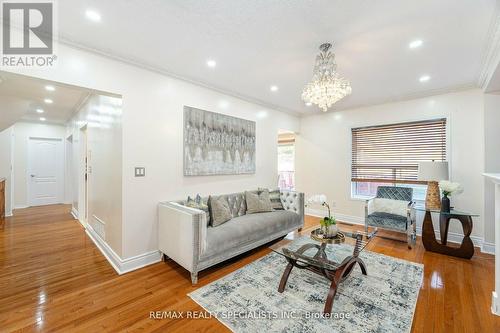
448 188
328 223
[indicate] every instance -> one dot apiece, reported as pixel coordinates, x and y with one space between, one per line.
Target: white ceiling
260 43
20 96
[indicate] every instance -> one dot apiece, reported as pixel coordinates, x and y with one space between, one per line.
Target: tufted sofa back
292 201
395 193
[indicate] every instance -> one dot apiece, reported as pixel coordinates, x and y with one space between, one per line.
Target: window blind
391 153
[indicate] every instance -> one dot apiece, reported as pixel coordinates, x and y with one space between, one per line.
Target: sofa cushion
275 197
219 210
387 220
198 203
246 229
258 203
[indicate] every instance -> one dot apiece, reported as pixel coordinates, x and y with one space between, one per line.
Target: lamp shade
433 171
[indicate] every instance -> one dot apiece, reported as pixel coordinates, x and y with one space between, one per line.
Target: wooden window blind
391 153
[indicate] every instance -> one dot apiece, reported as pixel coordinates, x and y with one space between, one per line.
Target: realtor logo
34 25
28 33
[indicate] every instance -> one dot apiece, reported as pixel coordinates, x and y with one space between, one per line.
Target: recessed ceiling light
42 119
211 63
309 104
93 15
416 43
39 110
48 101
424 78
50 88
274 88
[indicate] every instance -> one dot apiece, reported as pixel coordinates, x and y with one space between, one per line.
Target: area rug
247 300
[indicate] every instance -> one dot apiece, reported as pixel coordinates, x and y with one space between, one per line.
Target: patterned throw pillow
198 204
275 197
258 203
219 208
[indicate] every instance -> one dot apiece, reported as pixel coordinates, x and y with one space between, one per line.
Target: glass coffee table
312 254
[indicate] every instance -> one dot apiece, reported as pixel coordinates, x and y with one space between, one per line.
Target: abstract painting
216 144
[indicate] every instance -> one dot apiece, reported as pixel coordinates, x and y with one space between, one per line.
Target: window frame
449 159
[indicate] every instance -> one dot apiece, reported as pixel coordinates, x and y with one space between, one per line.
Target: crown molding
161 71
403 98
491 52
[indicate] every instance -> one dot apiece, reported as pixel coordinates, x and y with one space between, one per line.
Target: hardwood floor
53 278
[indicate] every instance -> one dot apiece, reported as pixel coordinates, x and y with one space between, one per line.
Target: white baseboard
120 265
488 247
453 237
74 212
20 206
8 214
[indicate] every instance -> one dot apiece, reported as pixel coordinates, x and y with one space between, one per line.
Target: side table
466 248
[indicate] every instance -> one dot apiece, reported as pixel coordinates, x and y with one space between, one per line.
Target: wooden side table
466 248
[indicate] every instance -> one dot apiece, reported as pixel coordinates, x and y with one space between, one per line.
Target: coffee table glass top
308 249
422 208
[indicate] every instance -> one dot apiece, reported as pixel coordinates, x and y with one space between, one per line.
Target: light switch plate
140 171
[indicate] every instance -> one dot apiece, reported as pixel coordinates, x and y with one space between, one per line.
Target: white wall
324 149
491 160
6 166
152 136
102 116
22 131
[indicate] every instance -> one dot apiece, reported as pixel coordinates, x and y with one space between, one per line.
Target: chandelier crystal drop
327 86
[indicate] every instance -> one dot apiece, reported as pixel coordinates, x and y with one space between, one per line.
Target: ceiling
260 43
21 96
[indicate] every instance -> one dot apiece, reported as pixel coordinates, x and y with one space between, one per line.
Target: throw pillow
219 208
257 203
198 204
390 206
275 197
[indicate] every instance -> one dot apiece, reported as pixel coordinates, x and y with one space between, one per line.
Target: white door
45 171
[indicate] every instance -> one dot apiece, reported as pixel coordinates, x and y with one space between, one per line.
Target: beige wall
324 149
102 116
22 131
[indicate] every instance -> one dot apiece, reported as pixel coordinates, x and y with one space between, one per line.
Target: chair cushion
247 229
258 203
387 221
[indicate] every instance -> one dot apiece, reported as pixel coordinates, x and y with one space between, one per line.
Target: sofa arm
182 233
294 202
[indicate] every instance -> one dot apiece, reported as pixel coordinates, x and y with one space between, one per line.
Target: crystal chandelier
327 86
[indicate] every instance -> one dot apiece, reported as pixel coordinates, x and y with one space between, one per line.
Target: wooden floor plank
53 278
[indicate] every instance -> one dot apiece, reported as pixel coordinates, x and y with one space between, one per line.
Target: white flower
450 188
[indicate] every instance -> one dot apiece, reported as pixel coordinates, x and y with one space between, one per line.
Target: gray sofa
185 237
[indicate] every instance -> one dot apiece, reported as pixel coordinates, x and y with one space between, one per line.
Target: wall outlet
140 171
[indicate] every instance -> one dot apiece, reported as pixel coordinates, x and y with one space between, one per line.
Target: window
389 154
286 162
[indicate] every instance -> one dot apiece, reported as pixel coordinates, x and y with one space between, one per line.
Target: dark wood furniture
466 248
313 256
2 201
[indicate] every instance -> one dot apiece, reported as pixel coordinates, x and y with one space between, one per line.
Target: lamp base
433 197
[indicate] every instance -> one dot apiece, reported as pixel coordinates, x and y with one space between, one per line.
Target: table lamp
432 173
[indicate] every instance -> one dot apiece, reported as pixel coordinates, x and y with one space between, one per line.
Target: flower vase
330 231
445 204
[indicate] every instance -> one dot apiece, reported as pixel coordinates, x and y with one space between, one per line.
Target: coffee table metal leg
285 276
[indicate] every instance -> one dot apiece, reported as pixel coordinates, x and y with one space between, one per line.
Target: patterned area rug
247 300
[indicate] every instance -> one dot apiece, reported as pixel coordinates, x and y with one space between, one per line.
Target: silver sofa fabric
243 232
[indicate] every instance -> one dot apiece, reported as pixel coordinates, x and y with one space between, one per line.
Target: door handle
32 176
